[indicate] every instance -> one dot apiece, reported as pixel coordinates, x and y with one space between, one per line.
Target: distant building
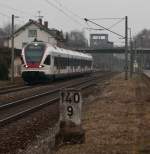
102 61
36 29
100 41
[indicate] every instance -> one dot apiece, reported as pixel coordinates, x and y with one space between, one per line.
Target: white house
29 32
36 29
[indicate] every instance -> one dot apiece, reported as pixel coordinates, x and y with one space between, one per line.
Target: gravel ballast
118 121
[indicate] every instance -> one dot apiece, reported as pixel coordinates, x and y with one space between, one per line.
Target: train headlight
26 66
40 66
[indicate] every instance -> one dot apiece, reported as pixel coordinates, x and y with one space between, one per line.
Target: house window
103 37
32 33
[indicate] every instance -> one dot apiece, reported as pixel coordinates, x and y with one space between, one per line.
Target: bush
3 71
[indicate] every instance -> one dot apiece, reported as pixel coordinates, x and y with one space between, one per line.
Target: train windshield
34 52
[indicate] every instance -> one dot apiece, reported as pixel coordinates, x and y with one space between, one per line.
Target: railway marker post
70 118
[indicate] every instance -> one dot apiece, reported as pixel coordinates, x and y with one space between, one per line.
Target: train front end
32 69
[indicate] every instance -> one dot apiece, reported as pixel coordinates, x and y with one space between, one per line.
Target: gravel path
118 122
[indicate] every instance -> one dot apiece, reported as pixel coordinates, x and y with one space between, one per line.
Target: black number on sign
70 111
76 98
68 97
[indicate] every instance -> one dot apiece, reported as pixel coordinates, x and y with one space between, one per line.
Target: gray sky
137 10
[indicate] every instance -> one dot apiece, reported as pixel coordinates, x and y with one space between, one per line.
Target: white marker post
70 106
70 117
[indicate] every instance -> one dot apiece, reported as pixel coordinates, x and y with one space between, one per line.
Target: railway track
20 124
12 111
6 87
14 88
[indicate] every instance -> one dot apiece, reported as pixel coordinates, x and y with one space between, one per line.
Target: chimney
40 21
46 24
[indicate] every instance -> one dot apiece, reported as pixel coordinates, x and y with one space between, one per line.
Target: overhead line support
87 20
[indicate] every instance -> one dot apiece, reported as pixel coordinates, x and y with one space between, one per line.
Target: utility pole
12 50
131 54
126 48
131 59
142 55
135 58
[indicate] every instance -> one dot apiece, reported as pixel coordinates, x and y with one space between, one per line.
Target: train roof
70 52
65 52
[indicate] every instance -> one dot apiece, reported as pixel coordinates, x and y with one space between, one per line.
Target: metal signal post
12 50
12 47
126 48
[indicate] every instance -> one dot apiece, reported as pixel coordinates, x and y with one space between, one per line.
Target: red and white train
43 62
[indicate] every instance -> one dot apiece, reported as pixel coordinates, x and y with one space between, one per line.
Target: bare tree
143 38
7 29
75 39
143 41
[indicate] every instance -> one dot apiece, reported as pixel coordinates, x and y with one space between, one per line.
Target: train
42 61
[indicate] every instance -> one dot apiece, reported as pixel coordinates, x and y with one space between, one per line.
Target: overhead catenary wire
116 23
93 28
5 18
105 28
100 29
113 25
69 10
9 16
76 15
89 27
23 15
15 9
4 15
105 18
63 12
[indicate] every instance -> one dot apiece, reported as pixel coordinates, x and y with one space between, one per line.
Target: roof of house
58 35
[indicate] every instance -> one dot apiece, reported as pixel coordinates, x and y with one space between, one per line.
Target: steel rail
21 101
21 114
13 89
10 86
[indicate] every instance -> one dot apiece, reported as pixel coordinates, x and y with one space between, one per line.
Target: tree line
73 39
143 38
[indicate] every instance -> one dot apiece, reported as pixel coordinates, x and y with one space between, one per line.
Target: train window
70 62
34 53
47 60
56 61
65 62
60 62
77 62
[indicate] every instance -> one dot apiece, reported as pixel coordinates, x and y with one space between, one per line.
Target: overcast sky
70 12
